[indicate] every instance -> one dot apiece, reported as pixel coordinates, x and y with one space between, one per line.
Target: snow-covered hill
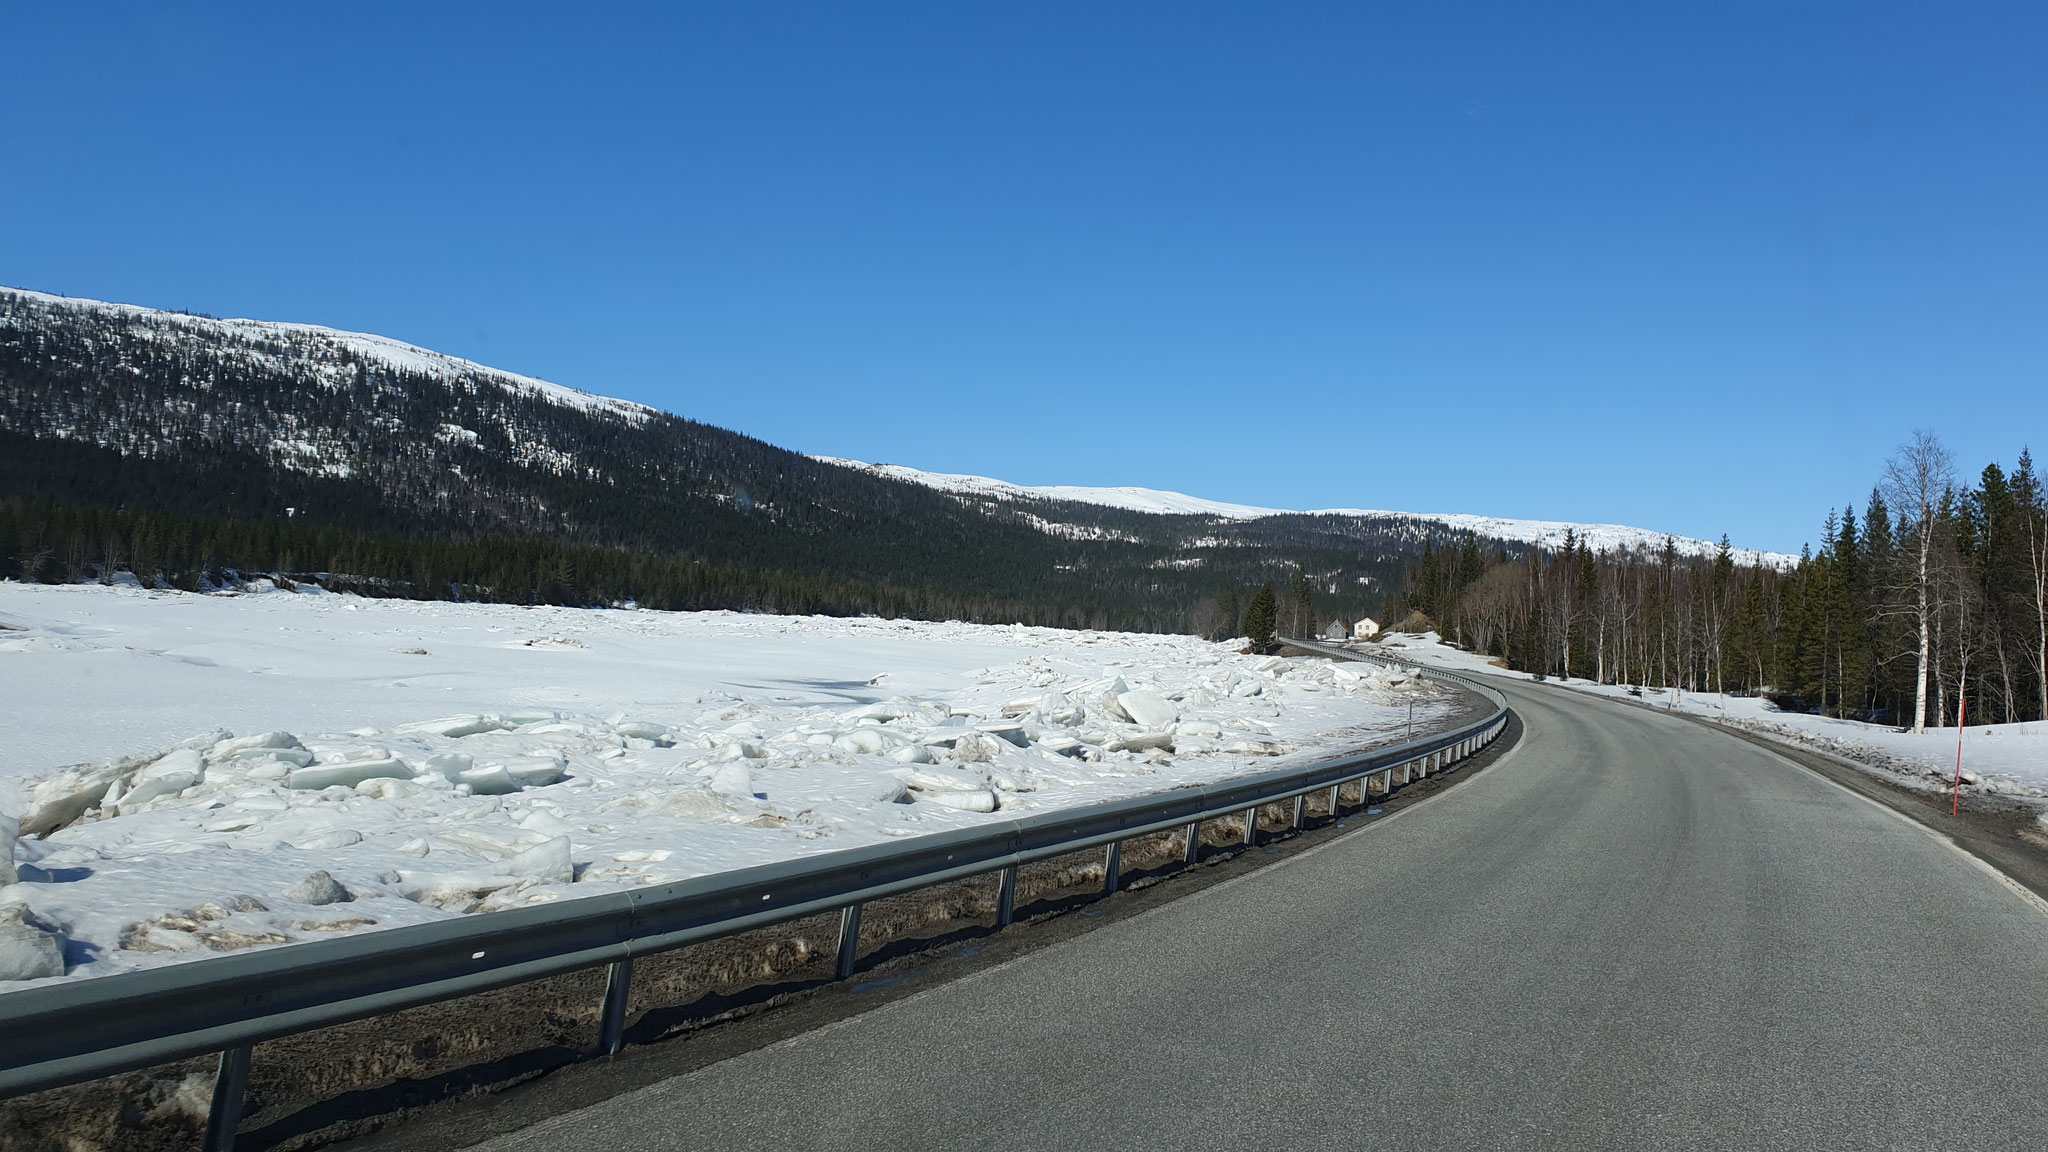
290 344
113 406
1543 533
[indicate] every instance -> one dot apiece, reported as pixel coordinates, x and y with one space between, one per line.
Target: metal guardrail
68 1033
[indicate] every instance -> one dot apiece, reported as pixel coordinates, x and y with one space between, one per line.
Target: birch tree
1914 479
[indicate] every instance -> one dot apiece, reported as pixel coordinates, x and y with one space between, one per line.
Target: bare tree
1914 479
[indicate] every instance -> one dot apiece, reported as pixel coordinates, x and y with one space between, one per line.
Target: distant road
1632 932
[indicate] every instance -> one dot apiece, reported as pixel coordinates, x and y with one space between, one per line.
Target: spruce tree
1261 617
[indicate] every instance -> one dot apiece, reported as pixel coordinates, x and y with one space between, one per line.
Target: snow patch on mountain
1543 533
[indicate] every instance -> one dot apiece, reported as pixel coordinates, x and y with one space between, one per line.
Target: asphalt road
1630 932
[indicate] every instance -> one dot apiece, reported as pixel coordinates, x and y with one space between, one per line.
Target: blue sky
1692 267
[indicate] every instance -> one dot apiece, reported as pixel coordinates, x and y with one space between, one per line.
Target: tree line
47 541
1931 601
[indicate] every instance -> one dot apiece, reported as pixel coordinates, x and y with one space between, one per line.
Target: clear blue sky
1695 267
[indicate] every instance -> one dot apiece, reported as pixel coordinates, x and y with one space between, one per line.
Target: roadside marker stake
1962 713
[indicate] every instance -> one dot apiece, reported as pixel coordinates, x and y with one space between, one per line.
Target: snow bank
377 787
2007 759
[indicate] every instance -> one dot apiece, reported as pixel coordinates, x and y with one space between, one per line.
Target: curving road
1630 932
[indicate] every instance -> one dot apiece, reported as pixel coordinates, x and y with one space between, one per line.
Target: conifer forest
1928 599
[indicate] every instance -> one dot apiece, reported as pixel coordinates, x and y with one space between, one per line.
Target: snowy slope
309 443
307 339
437 759
1545 533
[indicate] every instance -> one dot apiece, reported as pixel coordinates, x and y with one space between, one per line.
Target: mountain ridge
1544 533
246 422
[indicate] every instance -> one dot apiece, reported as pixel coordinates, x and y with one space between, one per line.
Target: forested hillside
184 449
1934 594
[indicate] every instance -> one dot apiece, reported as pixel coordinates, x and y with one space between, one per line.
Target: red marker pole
1962 713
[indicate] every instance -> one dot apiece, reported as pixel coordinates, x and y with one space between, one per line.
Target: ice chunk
1012 733
260 745
976 748
1113 706
453 726
346 774
490 780
643 730
257 757
733 779
318 888
697 804
385 788
912 754
63 798
545 823
547 861
937 779
454 891
168 776
897 709
537 771
870 741
739 750
449 764
10 832
1143 741
976 800
1148 708
1009 781
1057 708
27 951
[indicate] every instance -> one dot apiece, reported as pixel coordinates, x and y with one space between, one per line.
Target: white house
1365 629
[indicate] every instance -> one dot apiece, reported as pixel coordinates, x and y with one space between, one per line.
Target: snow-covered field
436 759
2010 759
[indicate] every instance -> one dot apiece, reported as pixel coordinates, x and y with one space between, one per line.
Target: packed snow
1543 533
204 773
2006 759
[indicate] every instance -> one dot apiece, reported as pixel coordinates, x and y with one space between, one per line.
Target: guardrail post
611 1027
1112 866
1006 898
230 1083
1194 849
1300 810
1335 799
1251 826
849 939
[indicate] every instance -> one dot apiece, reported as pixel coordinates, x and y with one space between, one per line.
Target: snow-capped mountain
429 473
1548 534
